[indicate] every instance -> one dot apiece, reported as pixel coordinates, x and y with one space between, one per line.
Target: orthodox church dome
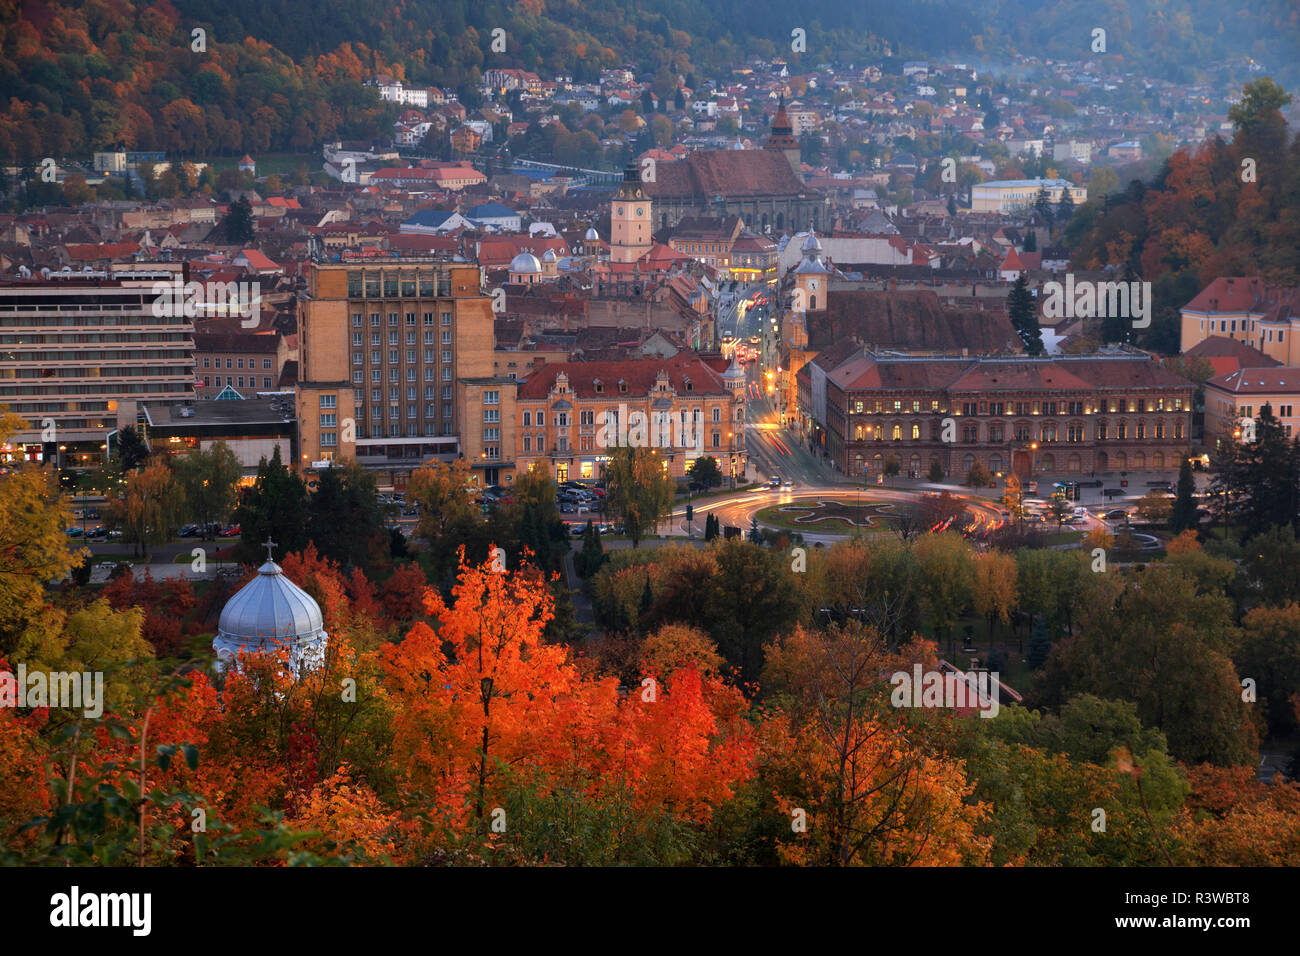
525 263
268 614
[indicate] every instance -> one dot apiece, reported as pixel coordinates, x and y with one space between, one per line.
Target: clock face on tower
640 211
812 284
620 210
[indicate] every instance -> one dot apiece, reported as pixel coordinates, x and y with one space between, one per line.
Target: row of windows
1021 431
377 394
1247 411
214 381
393 317
375 337
1115 405
412 411
588 416
376 375
393 285
588 442
394 356
252 363
1230 325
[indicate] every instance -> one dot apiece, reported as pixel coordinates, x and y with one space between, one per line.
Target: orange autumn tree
481 703
844 773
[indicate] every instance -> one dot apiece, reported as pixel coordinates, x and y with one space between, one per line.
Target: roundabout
830 516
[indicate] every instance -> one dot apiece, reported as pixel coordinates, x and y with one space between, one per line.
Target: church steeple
782 138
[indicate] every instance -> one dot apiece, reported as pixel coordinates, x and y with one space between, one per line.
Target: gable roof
706 173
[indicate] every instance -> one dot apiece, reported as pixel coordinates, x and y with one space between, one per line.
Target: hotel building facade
78 352
395 358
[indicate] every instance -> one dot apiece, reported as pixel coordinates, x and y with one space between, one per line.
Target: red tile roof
707 173
639 375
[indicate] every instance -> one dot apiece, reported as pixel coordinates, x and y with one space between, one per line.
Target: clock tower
629 219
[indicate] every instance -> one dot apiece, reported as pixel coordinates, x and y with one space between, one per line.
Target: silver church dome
267 614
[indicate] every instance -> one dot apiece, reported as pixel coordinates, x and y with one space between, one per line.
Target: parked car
74 532
1115 514
96 532
189 531
230 531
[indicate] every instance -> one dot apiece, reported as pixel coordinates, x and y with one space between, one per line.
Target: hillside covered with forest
277 75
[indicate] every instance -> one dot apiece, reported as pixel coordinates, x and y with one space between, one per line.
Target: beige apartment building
396 369
1233 401
78 351
1248 310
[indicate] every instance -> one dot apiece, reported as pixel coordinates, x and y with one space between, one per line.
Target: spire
269 544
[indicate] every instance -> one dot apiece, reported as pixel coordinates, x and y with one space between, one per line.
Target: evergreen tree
1024 316
755 535
1261 478
710 527
936 472
344 515
132 452
1031 241
647 600
952 205
1043 204
239 222
1184 513
275 507
1040 644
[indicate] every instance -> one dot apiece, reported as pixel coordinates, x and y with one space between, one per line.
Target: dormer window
622 385
600 386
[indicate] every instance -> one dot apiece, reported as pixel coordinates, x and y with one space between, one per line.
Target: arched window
1140 461
995 463
897 434
1073 463
1103 461
860 433
812 302
1048 463
1158 462
1121 461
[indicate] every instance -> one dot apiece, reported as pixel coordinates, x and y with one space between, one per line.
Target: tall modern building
75 347
393 356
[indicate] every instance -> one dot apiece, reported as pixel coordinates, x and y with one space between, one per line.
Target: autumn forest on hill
79 77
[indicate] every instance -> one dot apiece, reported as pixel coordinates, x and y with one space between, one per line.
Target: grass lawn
268 163
831 516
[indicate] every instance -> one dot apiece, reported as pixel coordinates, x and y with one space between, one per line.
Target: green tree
637 489
1260 477
209 479
1024 316
131 449
705 471
238 224
1258 99
274 508
344 516
1184 515
936 472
